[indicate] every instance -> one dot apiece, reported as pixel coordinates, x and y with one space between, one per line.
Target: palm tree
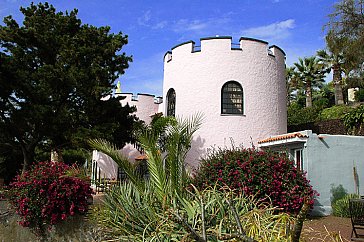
334 62
134 206
334 59
311 74
165 164
292 84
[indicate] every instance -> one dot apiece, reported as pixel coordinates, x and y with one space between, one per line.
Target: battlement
223 44
132 99
146 105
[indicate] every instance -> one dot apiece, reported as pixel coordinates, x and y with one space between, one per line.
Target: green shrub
298 115
259 173
340 208
334 112
359 95
337 192
354 119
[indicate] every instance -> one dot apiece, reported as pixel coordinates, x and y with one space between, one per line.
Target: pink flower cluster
44 195
265 174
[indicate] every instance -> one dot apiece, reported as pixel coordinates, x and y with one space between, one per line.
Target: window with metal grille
171 102
232 98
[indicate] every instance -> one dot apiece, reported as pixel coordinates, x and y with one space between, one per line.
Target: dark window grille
232 98
171 102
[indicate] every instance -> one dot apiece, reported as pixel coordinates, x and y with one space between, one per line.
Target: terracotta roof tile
141 157
283 137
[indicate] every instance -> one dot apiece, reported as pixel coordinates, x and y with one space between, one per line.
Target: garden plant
168 207
264 174
48 194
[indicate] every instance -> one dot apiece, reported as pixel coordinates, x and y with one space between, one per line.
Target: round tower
239 88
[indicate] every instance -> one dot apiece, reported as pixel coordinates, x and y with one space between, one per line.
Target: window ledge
232 114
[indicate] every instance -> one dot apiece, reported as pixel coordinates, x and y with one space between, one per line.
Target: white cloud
199 26
278 30
160 25
184 25
145 18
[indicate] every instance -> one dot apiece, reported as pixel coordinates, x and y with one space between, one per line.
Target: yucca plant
340 207
216 215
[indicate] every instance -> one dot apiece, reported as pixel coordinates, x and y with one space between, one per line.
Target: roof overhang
285 139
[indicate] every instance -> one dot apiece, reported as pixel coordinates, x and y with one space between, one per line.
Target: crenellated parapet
140 97
224 45
147 105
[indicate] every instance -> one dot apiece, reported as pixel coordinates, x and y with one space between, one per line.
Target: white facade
197 78
198 74
147 105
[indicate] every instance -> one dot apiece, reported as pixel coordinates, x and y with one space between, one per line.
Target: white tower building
239 88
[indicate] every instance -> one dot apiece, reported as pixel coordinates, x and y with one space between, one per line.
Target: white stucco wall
144 103
197 78
329 160
146 107
107 167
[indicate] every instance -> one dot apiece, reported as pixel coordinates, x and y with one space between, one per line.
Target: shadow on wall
107 166
197 150
320 210
130 152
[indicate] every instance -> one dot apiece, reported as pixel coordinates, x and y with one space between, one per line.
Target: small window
297 156
232 98
171 102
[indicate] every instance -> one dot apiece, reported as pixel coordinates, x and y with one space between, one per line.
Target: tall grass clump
340 207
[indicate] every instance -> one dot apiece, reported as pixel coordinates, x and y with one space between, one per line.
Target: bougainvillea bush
47 194
264 174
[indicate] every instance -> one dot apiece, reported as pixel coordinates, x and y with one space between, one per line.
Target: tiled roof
141 157
283 137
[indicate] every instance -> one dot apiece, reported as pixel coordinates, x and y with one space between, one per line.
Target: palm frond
179 139
114 153
158 177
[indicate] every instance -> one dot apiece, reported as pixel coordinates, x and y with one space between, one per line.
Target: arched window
171 102
232 98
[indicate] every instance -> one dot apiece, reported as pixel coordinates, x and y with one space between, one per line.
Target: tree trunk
339 98
27 158
28 154
296 233
308 94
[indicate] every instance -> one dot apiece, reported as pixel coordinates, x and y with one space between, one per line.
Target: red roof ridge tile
283 137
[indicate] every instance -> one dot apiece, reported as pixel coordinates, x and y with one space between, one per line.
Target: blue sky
155 26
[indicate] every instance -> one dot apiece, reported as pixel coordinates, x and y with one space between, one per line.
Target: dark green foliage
260 173
324 97
9 162
334 112
354 120
340 207
53 72
347 22
338 192
298 115
359 95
